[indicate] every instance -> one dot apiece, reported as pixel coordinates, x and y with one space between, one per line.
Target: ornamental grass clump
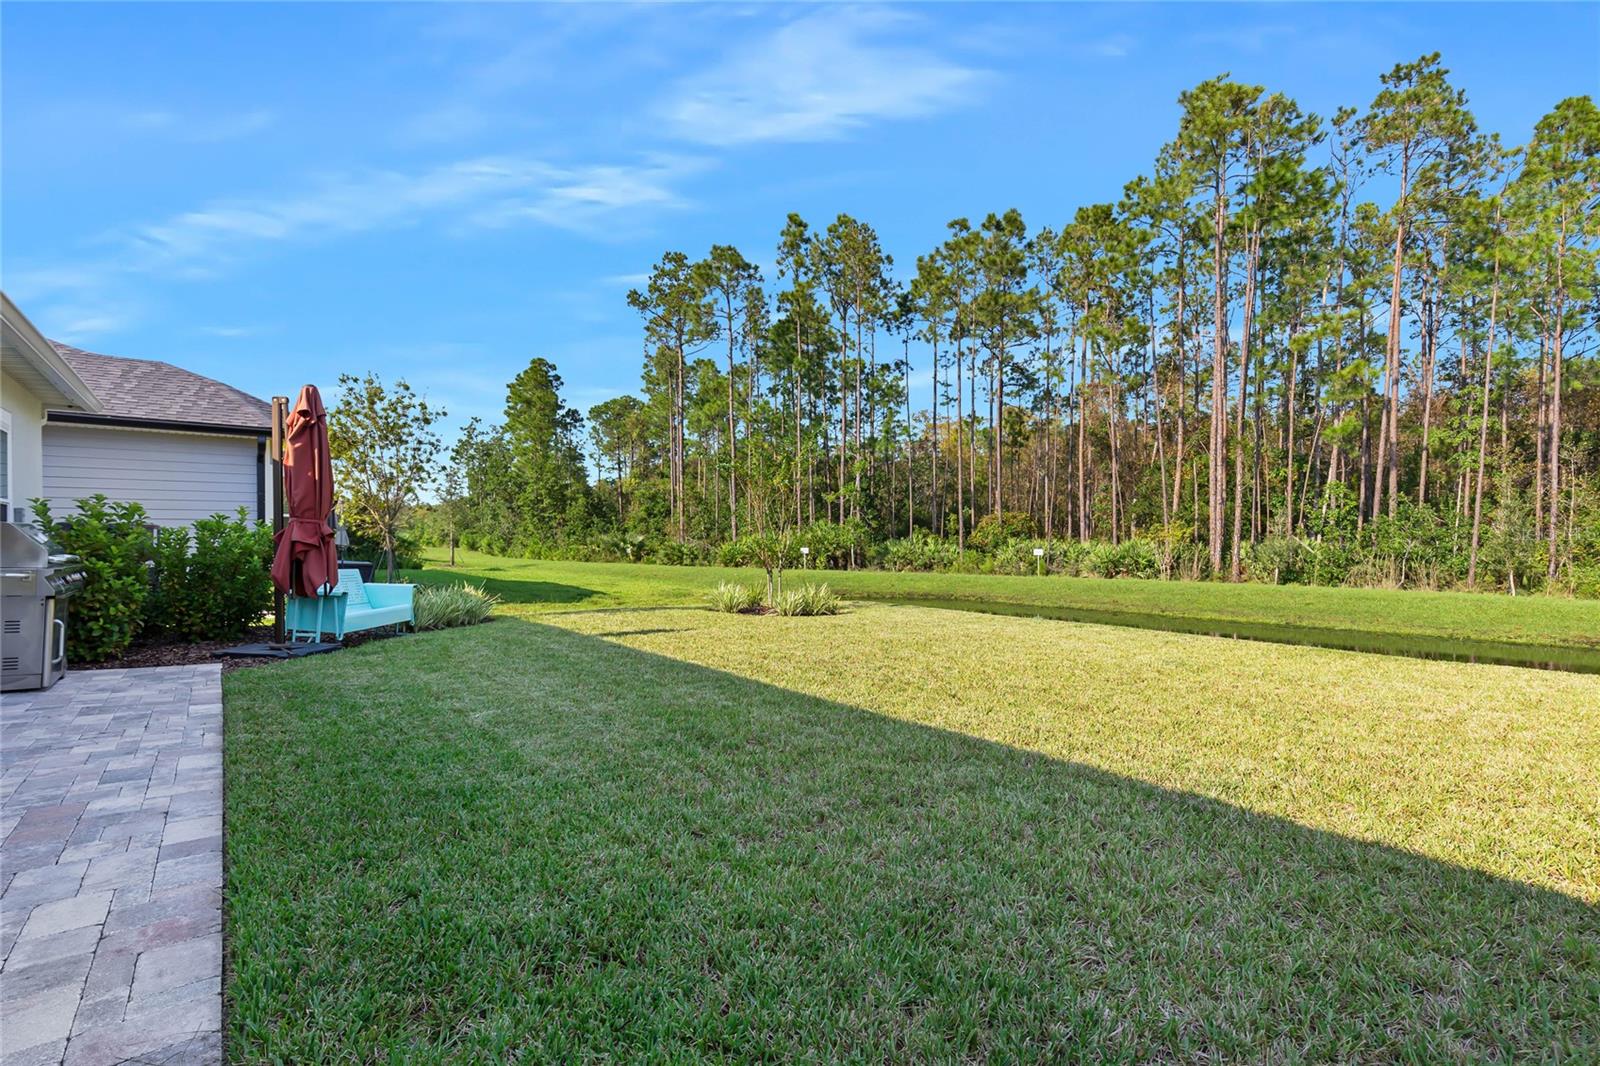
734 598
445 606
808 600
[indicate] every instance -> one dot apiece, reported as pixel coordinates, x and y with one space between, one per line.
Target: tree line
1375 326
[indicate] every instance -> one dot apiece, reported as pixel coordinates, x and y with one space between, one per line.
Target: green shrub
114 544
1513 553
1179 554
734 552
1016 557
215 587
1274 561
1069 557
1131 558
167 605
920 551
834 545
1584 582
808 600
618 547
1327 562
444 606
690 553
993 530
734 598
1373 572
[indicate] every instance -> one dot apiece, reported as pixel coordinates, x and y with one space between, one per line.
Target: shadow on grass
522 842
510 590
1535 656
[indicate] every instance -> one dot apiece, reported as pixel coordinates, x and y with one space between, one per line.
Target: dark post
280 407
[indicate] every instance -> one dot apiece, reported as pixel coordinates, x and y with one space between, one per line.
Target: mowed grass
905 834
533 586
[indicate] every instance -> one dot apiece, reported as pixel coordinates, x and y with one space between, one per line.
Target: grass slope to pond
906 834
537 586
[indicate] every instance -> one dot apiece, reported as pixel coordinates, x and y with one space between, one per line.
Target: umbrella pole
280 405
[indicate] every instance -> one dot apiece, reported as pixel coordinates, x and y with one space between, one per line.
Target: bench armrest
308 617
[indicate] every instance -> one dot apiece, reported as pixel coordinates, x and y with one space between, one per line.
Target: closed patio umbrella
306 559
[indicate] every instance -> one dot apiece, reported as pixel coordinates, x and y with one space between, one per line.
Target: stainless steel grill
34 589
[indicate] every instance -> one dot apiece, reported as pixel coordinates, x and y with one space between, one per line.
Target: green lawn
902 834
541 586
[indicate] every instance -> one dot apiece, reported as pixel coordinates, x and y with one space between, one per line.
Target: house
182 445
33 378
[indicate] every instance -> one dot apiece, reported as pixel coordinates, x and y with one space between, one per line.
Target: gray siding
178 477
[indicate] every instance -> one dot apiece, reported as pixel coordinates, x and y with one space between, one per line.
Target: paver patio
111 869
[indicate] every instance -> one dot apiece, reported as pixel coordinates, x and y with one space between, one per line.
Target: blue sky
271 194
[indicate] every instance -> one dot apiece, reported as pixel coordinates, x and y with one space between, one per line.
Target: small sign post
1038 558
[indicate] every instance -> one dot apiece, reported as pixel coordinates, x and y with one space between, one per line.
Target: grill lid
20 549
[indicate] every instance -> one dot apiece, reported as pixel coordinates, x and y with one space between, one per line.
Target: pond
1540 657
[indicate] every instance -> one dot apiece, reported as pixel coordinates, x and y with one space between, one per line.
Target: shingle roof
149 391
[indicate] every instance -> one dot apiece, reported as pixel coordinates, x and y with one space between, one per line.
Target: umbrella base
276 651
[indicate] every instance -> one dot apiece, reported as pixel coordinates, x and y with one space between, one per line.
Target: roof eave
23 338
110 421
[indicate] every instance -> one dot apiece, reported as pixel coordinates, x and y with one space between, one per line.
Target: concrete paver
111 869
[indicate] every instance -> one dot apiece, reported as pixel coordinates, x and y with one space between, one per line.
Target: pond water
1540 657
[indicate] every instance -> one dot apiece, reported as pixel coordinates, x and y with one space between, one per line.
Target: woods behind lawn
537 586
906 834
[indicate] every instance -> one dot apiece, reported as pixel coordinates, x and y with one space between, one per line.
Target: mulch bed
177 653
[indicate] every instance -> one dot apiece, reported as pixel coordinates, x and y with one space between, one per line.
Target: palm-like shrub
734 598
808 600
444 606
1131 558
920 551
690 553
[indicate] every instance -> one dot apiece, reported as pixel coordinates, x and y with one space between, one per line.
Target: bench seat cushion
357 618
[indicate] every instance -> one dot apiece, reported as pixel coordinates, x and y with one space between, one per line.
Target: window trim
11 447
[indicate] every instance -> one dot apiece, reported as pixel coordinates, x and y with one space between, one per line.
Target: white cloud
481 58
199 129
446 122
43 281
1115 46
488 190
78 323
595 200
816 78
1245 38
150 120
592 199
350 203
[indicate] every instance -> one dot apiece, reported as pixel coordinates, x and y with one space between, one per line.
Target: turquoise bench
349 607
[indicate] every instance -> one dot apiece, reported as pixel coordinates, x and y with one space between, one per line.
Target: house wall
178 477
27 453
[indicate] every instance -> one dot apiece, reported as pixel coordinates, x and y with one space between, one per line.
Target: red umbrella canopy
306 559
